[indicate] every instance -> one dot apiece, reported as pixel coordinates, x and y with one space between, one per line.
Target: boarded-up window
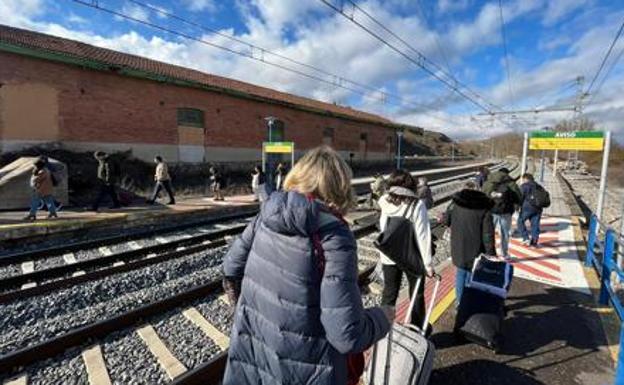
328 136
363 145
191 117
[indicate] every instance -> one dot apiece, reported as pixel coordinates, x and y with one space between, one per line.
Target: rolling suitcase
480 318
409 358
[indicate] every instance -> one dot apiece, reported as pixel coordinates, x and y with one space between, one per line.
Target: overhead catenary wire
605 58
504 37
604 78
261 59
452 83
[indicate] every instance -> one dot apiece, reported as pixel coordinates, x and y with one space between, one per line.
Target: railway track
167 284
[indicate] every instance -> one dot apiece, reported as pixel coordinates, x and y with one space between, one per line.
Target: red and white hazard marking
555 261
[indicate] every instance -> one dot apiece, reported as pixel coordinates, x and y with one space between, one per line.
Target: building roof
66 50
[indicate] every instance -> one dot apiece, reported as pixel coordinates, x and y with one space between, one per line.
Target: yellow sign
278 147
567 140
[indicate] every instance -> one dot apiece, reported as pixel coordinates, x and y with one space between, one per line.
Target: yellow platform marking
212 332
69 258
172 366
96 367
441 307
134 245
161 240
21 380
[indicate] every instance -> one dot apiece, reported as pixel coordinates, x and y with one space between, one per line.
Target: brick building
54 90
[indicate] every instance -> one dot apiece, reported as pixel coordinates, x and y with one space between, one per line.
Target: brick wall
102 107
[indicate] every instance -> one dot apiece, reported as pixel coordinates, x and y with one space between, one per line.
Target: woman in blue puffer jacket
299 311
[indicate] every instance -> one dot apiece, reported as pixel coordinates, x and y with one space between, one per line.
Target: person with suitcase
400 201
535 200
293 275
506 196
472 231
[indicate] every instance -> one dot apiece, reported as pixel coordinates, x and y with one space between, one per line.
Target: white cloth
255 181
422 228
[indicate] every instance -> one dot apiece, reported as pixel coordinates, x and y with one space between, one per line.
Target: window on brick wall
190 117
278 132
328 136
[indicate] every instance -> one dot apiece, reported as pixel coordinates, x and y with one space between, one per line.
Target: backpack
503 199
56 173
398 241
539 197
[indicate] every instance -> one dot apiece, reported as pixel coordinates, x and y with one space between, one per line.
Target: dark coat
498 178
293 325
472 229
527 190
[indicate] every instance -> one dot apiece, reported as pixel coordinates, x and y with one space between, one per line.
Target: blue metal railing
605 239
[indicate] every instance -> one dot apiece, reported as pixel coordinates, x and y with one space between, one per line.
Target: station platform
554 331
75 220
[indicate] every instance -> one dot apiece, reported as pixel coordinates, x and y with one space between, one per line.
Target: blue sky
550 43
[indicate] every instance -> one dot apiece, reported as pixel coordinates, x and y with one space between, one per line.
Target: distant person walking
216 183
41 184
423 192
163 181
280 176
482 176
506 196
378 188
472 231
401 200
535 199
292 274
56 180
257 183
107 175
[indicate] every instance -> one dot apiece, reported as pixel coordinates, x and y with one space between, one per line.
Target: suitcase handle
436 286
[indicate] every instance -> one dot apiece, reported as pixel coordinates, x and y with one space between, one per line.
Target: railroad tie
21 380
96 367
28 267
105 251
221 226
69 258
193 315
172 366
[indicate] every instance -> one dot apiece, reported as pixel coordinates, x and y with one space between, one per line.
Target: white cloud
557 10
134 11
75 19
446 6
200 5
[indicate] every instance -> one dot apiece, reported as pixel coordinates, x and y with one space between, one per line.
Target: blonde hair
324 174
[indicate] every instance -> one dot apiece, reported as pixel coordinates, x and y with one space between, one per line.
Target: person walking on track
293 276
41 183
482 176
107 174
216 183
535 199
506 196
472 231
401 200
163 181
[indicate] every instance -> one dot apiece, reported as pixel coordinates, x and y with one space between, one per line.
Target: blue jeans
534 217
462 276
48 200
502 222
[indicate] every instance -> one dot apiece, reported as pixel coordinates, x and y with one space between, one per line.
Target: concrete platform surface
552 336
13 227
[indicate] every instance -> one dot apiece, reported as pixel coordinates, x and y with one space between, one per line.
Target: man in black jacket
472 231
107 175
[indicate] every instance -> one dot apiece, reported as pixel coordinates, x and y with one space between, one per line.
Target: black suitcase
480 318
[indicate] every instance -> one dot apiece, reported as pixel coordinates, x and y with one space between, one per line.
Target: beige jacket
162 172
41 181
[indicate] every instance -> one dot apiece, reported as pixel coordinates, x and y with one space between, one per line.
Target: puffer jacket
294 326
472 229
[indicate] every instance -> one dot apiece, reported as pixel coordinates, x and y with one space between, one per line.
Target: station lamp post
268 168
399 139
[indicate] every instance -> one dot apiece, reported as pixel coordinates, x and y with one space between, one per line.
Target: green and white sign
567 140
